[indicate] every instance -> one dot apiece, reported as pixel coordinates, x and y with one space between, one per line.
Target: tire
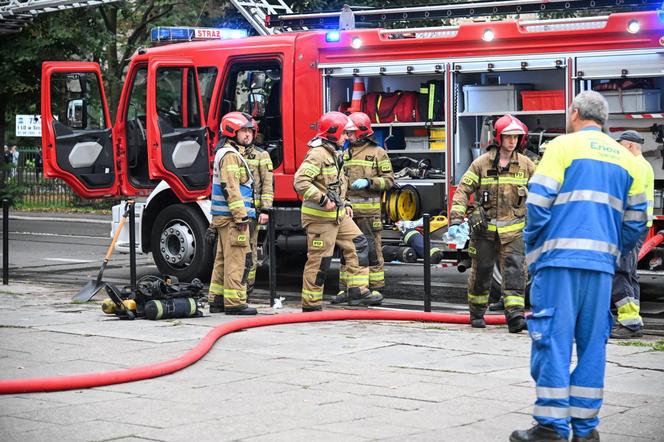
178 243
496 290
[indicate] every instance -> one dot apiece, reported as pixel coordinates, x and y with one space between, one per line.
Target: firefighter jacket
501 191
232 193
261 169
321 172
368 161
649 176
587 204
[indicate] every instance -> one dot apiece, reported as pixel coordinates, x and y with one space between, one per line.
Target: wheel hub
177 244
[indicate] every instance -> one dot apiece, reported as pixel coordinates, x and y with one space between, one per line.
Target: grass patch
61 208
657 345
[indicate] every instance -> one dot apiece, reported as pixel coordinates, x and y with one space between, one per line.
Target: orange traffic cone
358 93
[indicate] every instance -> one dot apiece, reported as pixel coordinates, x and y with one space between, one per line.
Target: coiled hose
75 382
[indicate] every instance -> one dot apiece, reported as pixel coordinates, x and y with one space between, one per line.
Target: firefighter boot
538 433
217 305
355 297
477 321
516 324
244 310
340 298
593 436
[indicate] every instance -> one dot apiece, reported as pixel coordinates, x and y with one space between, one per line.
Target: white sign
222 33
28 126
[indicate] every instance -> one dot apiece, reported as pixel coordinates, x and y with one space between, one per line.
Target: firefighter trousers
232 264
321 238
570 306
484 251
371 227
626 291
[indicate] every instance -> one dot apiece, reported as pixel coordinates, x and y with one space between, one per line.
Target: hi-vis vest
219 206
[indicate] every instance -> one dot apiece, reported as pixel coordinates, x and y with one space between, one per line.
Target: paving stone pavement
341 381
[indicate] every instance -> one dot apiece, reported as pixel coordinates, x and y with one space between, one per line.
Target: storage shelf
409 124
405 151
540 112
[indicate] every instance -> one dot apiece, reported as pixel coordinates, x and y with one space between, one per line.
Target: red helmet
332 124
363 124
510 125
234 121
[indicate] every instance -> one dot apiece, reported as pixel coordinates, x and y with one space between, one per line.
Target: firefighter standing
232 211
261 170
626 292
498 180
327 216
586 206
369 172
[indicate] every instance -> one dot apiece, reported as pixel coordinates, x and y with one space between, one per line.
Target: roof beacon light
633 27
488 35
184 33
356 43
332 36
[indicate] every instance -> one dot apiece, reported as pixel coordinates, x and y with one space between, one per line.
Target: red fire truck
160 147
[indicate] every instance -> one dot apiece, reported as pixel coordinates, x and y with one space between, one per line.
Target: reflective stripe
357 280
478 299
343 276
312 295
590 195
505 180
472 176
514 301
635 215
539 200
216 289
377 276
318 212
236 204
329 170
315 170
583 413
363 163
554 412
310 191
637 199
233 168
506 226
267 196
586 392
366 205
381 182
572 243
627 300
552 393
235 294
545 181
409 235
458 208
382 163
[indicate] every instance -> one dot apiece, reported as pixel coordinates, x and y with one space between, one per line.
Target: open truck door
77 143
178 150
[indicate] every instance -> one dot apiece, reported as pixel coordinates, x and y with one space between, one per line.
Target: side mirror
76 113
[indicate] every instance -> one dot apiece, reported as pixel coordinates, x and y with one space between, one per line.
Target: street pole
426 221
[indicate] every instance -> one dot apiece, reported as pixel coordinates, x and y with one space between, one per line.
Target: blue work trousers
569 305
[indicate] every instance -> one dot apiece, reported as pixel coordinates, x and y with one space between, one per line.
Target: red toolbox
543 100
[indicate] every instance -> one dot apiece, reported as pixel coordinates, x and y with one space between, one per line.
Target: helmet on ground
232 122
363 124
510 125
332 124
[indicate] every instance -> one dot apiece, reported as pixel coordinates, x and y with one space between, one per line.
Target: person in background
586 206
626 291
498 181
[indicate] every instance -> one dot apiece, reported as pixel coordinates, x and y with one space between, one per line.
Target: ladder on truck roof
472 9
257 11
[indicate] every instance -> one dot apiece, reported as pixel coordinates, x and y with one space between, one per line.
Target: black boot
538 433
593 436
516 324
217 306
368 298
497 306
477 321
339 298
313 308
245 310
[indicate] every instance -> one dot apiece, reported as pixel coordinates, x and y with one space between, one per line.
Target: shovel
92 287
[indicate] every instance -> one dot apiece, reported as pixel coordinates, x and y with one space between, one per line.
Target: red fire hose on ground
653 242
75 382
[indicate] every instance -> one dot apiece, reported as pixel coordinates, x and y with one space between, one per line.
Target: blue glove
454 231
360 183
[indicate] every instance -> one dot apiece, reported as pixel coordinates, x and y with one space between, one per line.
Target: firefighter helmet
332 124
232 122
510 125
363 124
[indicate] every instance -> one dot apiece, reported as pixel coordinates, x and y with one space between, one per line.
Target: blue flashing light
175 34
332 36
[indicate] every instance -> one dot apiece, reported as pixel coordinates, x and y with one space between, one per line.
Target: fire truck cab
160 147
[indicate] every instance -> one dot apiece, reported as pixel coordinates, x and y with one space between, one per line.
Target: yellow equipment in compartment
402 204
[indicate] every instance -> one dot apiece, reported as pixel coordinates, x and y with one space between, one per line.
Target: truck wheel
178 243
496 290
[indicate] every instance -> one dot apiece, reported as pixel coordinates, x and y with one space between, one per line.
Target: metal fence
26 185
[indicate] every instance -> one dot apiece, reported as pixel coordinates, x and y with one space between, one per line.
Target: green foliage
654 345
